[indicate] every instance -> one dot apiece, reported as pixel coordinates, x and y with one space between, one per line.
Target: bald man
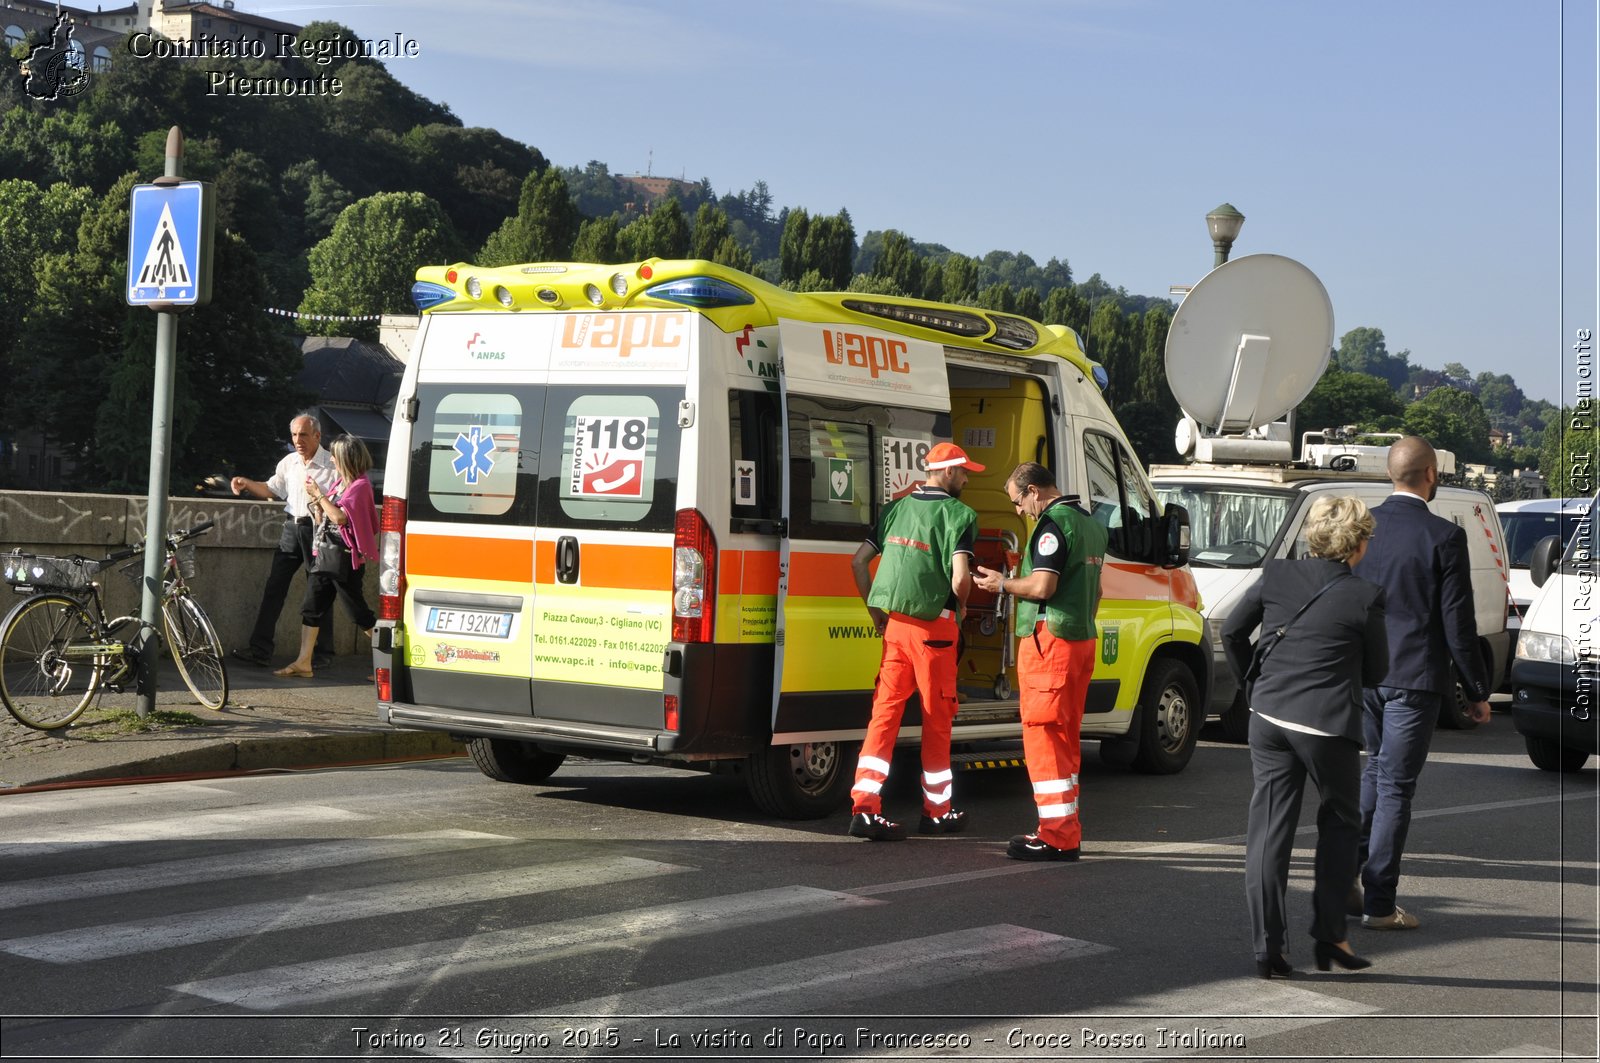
1421 562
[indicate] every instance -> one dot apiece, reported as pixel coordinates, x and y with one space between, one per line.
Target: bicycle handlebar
172 541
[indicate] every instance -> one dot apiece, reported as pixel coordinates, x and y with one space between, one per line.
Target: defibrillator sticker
1048 543
841 480
905 464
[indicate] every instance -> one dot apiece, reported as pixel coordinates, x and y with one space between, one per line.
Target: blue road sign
169 245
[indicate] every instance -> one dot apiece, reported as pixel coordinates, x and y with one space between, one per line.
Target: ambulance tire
806 781
508 760
1236 720
1169 719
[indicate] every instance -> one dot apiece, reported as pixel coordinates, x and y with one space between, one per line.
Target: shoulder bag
1269 639
330 556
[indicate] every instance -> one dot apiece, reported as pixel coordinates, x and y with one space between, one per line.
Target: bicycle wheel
42 682
196 649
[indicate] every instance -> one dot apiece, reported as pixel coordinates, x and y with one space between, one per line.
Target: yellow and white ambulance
621 503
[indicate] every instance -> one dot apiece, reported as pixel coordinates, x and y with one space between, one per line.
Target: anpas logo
875 354
623 332
476 348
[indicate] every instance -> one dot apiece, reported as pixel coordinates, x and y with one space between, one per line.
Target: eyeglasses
1017 502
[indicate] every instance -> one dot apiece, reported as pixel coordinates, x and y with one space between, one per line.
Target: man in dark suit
1421 562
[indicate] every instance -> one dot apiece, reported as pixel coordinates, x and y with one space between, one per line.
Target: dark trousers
292 555
316 610
1280 762
1399 726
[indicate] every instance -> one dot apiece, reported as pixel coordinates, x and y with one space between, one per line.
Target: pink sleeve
360 532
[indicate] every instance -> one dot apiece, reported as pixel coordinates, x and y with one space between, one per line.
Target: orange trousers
1054 677
918 655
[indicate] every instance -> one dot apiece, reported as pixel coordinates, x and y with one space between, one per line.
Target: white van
1526 522
622 501
1242 516
1554 676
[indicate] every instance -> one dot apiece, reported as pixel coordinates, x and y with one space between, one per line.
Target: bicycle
58 651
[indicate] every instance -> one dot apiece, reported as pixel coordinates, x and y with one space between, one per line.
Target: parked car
1525 523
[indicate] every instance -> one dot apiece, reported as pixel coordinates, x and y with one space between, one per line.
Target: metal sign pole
155 522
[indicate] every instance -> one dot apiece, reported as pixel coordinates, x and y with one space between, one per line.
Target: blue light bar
428 295
706 293
1101 377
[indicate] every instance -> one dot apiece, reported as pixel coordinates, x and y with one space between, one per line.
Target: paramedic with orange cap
916 600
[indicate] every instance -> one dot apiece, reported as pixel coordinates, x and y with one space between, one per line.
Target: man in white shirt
288 483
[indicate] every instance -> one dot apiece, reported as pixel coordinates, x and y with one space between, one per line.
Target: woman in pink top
349 506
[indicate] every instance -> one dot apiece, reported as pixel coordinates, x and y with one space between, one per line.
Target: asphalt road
424 911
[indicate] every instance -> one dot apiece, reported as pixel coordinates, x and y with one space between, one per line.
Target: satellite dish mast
1247 344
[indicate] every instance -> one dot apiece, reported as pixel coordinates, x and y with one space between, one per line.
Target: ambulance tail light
694 578
669 712
391 558
383 679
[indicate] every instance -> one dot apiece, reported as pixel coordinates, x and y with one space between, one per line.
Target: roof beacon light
619 284
428 295
475 287
594 295
1102 379
645 273
502 295
706 293
548 295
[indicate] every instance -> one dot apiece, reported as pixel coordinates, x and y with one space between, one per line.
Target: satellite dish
1249 342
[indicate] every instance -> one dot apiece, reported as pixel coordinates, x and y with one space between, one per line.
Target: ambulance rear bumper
488 725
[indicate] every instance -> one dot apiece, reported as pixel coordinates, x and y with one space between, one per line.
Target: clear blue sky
1433 161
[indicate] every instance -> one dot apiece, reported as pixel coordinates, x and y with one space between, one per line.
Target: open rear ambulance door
860 409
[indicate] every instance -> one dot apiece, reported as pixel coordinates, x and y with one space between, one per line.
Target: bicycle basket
36 572
187 566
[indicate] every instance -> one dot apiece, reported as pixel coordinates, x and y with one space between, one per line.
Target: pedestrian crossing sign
169 245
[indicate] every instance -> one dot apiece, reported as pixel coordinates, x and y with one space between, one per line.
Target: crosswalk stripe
57 889
171 931
178 827
842 978
67 802
300 984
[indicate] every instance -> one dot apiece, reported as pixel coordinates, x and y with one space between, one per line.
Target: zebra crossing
536 912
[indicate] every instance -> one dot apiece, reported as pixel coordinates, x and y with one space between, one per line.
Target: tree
542 230
1570 457
792 244
597 241
1110 344
899 262
236 368
710 229
958 279
1343 398
663 233
368 263
1363 350
1451 419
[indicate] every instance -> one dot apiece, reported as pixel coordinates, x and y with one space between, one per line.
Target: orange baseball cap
948 455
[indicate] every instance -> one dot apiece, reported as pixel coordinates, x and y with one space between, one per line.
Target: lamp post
1224 222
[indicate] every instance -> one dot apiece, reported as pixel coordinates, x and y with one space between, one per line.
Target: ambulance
621 505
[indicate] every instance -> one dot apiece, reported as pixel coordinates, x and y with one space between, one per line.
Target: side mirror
1543 558
1176 522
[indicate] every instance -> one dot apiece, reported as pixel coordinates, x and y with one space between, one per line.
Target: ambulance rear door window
476 453
754 481
850 460
610 458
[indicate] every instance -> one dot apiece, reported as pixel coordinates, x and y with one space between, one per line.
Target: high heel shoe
1327 952
1274 965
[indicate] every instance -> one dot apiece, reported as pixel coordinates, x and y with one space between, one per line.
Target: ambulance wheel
1236 720
805 781
507 760
1550 755
1169 720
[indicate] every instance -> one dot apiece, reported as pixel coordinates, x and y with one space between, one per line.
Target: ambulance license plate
468 622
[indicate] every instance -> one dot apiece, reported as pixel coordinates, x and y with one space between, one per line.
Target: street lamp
1224 222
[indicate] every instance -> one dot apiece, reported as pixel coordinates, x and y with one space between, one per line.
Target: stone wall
232 558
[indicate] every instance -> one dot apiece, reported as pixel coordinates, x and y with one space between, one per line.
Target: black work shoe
251 655
1029 847
952 822
875 828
